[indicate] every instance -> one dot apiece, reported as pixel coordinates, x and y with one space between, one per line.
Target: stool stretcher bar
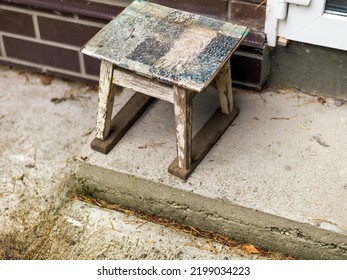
171 55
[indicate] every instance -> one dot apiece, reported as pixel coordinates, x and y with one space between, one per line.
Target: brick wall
47 35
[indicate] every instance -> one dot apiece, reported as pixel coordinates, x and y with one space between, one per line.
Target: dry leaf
250 249
321 100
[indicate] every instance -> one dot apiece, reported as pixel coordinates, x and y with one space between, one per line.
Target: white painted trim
306 24
300 17
283 6
326 30
271 22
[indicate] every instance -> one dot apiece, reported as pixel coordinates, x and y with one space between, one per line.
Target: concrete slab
44 123
277 177
81 231
39 139
313 69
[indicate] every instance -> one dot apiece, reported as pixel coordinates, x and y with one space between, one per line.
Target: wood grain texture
173 46
106 98
224 88
122 122
183 106
204 140
148 86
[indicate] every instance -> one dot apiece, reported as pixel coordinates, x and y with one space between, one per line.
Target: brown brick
96 20
20 66
65 32
18 23
42 54
78 7
92 65
246 70
216 8
255 39
248 14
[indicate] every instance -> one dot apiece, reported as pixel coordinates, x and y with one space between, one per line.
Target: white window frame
309 24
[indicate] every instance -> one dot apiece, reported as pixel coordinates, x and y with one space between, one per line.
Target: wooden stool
170 55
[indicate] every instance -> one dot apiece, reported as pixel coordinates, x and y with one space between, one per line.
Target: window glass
338 7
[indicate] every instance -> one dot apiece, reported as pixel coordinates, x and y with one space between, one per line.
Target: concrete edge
264 230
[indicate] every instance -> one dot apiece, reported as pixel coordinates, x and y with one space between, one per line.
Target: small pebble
338 103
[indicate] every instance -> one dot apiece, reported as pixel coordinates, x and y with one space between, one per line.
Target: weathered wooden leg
224 88
106 98
191 152
183 116
122 122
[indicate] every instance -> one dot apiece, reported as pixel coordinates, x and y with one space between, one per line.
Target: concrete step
44 123
83 231
277 178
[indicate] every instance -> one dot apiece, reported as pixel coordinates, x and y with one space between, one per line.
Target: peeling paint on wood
130 80
106 98
172 46
183 51
224 87
122 122
183 106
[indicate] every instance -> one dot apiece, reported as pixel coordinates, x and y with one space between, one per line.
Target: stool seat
172 46
167 54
